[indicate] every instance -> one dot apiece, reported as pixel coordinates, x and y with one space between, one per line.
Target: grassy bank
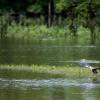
42 31
64 71
29 28
37 31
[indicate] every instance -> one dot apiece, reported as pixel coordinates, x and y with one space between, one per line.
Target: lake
24 85
49 52
50 89
27 86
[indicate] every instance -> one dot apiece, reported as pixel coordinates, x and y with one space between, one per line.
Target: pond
50 89
27 86
47 52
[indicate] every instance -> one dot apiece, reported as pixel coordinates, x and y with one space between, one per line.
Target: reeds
37 31
35 28
32 28
64 71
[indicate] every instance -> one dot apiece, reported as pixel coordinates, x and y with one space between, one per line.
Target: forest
69 15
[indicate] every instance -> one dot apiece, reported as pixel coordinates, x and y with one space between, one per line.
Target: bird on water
84 63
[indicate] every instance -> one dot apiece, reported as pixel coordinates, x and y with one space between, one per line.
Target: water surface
23 85
50 52
49 89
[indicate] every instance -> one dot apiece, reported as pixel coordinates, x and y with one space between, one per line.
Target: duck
84 63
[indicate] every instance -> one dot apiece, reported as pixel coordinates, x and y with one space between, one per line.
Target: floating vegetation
44 70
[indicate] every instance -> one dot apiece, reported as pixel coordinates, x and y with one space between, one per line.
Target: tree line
79 12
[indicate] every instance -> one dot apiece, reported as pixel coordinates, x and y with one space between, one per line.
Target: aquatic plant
64 71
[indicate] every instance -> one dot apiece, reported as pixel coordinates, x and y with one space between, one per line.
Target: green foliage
37 31
85 13
61 5
97 2
64 71
82 9
34 8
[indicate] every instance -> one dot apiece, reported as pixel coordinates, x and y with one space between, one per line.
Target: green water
50 52
25 86
21 85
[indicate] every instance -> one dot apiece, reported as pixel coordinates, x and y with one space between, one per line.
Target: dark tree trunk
4 26
50 12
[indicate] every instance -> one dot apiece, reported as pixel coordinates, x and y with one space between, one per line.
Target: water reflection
58 52
28 86
51 89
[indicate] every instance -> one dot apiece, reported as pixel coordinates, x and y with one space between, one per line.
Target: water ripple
21 83
78 61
